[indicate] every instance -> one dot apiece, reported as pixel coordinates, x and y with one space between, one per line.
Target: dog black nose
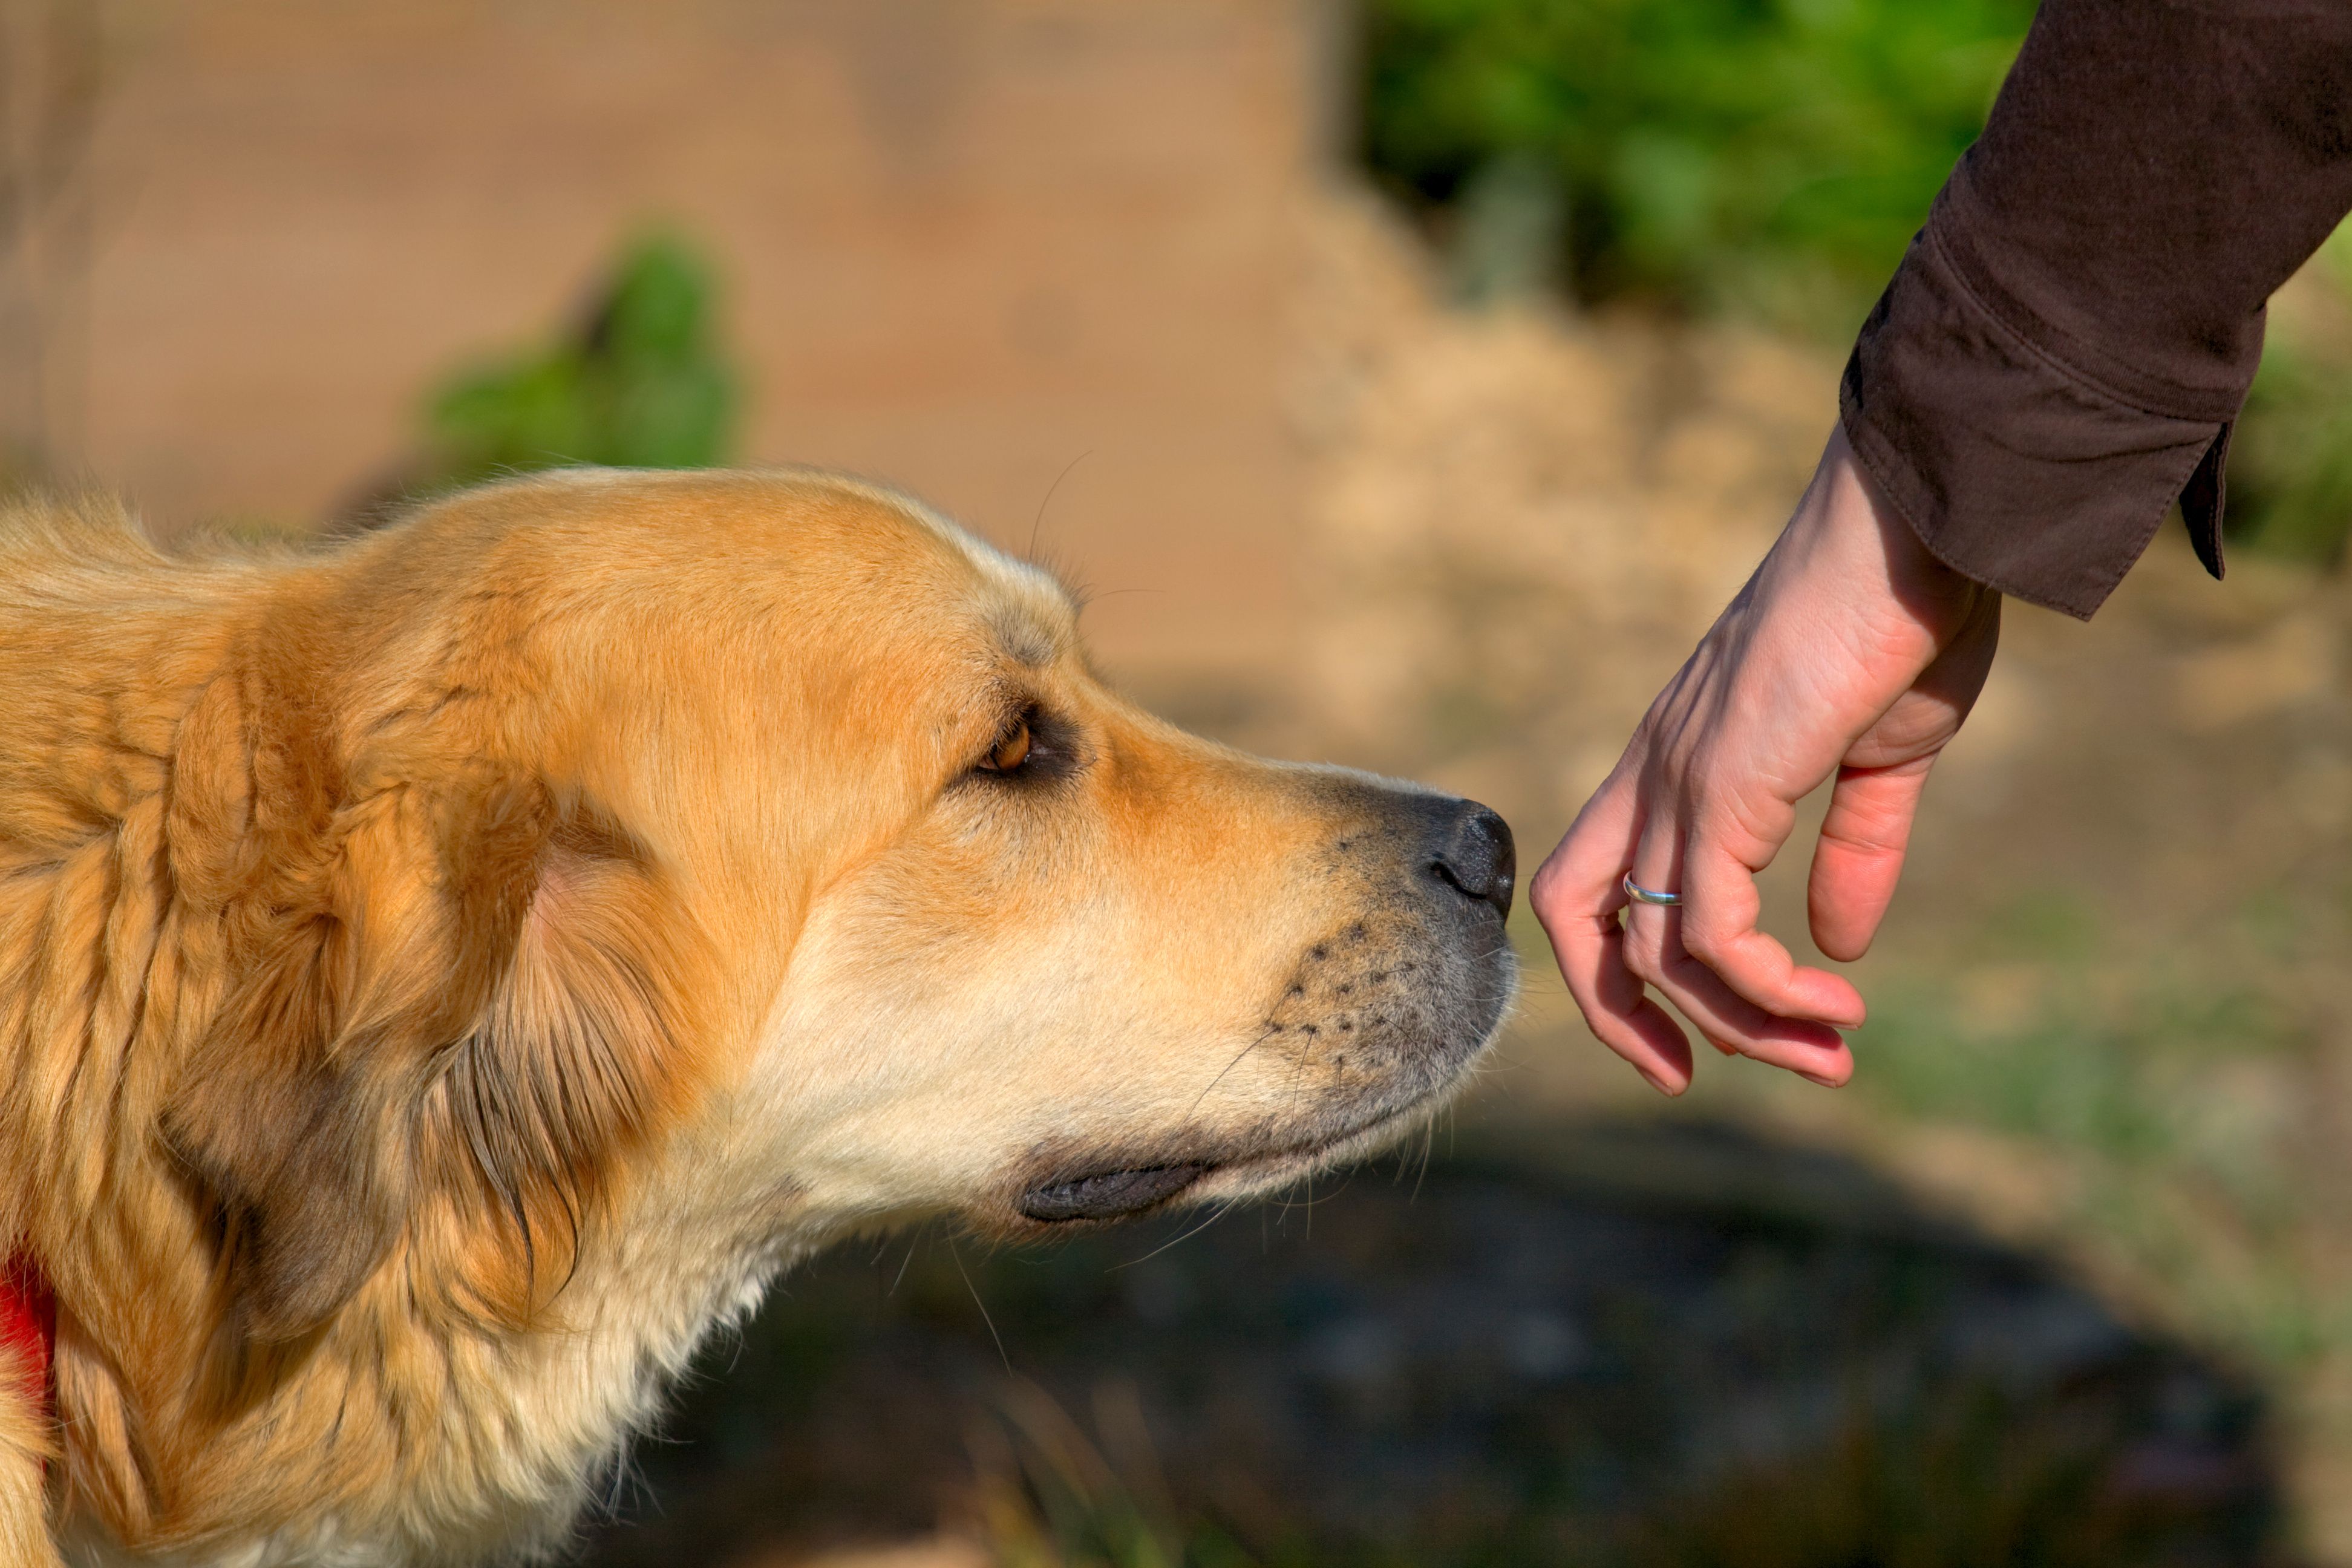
1472 852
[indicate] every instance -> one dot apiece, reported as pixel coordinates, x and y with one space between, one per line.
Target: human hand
1851 651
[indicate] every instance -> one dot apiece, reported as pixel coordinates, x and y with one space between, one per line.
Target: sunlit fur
445 974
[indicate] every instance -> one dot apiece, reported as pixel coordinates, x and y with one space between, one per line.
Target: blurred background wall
968 247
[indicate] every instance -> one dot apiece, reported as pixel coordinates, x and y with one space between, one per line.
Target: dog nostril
1474 856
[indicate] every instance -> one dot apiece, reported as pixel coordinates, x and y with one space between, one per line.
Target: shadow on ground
1626 1343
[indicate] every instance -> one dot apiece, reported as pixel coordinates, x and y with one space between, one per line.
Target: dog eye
1010 752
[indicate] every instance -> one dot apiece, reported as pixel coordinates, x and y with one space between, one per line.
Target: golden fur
445 976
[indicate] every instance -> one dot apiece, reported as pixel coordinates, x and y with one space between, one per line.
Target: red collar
28 1324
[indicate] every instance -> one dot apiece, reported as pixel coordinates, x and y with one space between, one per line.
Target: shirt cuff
2013 468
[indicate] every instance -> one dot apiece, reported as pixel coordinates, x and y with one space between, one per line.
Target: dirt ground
1611 1345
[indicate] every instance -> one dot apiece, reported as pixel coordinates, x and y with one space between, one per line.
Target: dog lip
1127 1190
1108 1195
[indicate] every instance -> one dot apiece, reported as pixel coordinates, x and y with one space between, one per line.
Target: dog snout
1471 852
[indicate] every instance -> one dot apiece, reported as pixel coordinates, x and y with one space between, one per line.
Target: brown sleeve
2063 349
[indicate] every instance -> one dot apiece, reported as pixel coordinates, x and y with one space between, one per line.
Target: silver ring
1644 895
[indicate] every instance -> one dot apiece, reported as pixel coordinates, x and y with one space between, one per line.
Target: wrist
1848 552
1931 587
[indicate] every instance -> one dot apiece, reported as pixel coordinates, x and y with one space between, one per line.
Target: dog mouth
1123 1190
1109 1195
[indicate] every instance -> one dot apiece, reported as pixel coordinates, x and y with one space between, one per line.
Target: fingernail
1654 1081
1727 1050
1819 1079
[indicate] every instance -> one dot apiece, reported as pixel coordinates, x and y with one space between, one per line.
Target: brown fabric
2062 352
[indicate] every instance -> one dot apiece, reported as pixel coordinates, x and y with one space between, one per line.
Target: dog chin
1082 1189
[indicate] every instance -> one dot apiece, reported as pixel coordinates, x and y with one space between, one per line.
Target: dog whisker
957 1253
1226 1069
1216 1213
1038 523
899 1278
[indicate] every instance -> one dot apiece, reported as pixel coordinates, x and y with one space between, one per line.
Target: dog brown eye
1009 753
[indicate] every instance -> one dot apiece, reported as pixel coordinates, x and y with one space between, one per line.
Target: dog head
759 845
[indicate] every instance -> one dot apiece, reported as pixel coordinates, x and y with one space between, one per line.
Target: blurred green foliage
1771 155
2291 461
641 383
1767 158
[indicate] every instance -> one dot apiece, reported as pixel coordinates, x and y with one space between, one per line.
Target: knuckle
1720 944
1704 943
1544 890
1691 976
1728 816
1645 959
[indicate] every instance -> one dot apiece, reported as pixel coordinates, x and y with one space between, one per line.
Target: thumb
1860 856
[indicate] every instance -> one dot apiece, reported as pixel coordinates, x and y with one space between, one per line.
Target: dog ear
274 1117
456 997
263 1110
580 1051
353 974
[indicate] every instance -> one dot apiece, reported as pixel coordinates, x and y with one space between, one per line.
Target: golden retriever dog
445 974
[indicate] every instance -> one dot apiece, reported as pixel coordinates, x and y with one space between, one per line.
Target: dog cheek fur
1237 990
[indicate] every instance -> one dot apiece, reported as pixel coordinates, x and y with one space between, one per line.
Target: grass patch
2178 1095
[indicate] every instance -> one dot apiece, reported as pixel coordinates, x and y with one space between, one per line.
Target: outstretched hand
1852 651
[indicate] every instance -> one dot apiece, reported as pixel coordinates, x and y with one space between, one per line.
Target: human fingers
1619 1010
1859 858
1722 910
1575 896
1732 1024
1706 842
1658 950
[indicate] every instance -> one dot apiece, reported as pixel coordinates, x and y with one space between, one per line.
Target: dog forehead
814 544
1028 616
1025 613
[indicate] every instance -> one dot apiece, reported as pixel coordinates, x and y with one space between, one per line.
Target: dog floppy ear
354 973
266 1111
461 997
583 1047
280 1118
